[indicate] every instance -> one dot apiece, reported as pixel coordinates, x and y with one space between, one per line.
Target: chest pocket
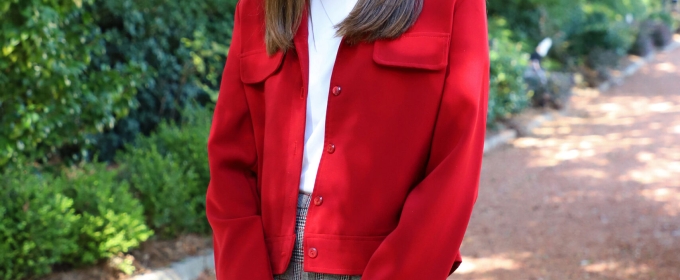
257 66
419 50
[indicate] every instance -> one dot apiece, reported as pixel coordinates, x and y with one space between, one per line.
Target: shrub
164 188
644 43
554 92
578 28
112 220
507 93
36 224
664 24
188 140
662 35
53 94
184 47
186 144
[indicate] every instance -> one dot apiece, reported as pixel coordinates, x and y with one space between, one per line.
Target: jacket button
318 200
312 253
336 90
331 148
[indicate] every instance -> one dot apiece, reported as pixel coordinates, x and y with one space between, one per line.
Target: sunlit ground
592 195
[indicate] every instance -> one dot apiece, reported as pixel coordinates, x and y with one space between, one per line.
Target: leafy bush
112 220
507 93
36 224
53 94
164 189
186 145
578 28
597 28
188 140
663 26
184 48
78 67
644 43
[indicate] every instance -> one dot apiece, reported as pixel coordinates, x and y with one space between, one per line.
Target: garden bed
151 255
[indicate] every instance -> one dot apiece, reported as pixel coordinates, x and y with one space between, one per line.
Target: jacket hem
337 254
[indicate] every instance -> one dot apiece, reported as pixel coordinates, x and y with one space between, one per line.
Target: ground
592 195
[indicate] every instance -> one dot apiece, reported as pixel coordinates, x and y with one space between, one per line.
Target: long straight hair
369 21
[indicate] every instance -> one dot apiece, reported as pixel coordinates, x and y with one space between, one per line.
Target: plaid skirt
294 271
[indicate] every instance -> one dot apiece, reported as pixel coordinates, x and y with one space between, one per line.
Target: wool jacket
404 137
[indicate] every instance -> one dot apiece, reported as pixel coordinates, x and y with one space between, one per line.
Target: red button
318 200
331 148
336 90
312 253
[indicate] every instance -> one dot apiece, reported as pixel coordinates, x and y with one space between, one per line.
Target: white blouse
323 48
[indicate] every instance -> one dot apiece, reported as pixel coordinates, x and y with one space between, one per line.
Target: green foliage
185 145
507 93
599 28
184 47
112 220
36 224
53 94
188 140
79 218
73 70
164 188
581 30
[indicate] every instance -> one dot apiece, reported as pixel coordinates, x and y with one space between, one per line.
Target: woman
351 155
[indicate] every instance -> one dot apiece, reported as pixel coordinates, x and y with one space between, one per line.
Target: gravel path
594 195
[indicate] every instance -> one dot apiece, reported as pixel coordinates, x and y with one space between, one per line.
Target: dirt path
595 195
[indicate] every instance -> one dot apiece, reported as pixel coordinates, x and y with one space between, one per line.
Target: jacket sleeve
435 215
232 198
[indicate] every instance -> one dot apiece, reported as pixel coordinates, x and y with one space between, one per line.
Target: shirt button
336 90
318 200
312 253
331 148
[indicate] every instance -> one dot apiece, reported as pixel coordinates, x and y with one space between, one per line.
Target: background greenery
132 84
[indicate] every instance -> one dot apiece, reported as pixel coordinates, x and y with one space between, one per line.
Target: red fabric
408 129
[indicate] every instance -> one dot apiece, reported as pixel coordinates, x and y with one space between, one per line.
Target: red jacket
404 140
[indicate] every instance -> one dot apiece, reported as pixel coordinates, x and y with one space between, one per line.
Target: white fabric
323 48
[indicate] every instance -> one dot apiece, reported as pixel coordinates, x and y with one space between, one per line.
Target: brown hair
369 21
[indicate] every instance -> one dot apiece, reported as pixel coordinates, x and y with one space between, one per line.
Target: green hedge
91 212
174 159
578 27
75 219
508 92
183 47
84 77
53 95
164 189
111 219
589 37
36 225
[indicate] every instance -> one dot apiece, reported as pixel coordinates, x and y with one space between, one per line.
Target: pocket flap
256 66
422 50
